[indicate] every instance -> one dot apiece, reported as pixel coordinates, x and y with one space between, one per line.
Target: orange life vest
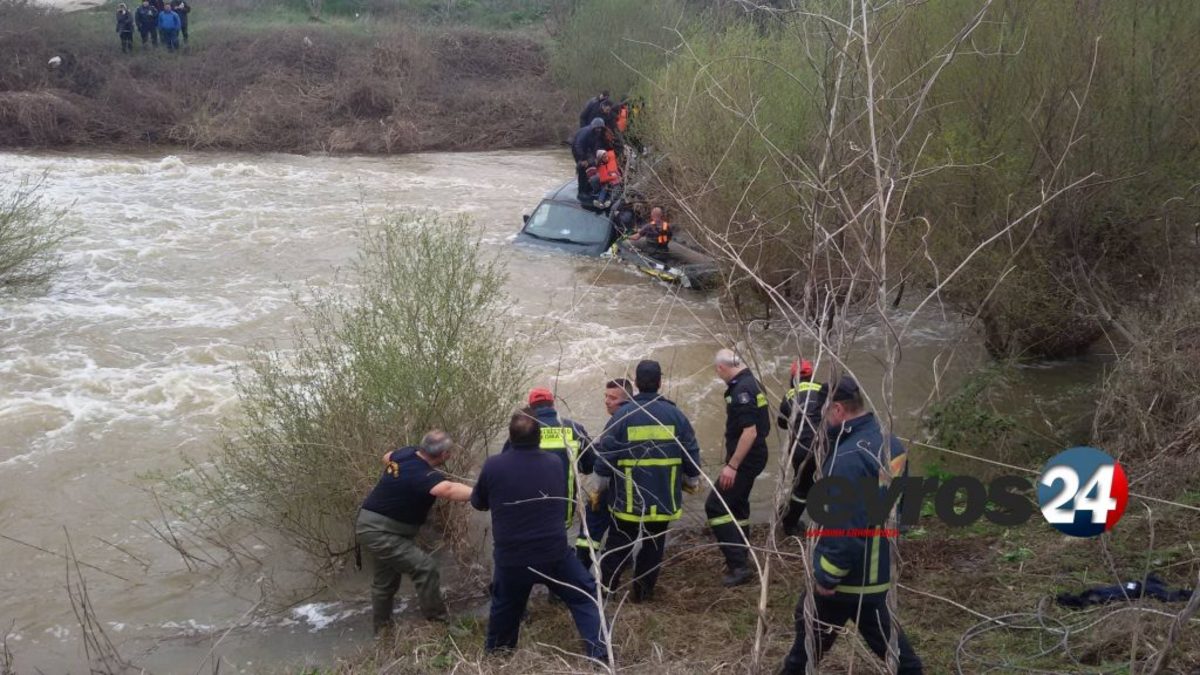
609 173
664 233
623 118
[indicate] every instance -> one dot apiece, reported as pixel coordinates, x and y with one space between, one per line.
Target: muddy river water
125 365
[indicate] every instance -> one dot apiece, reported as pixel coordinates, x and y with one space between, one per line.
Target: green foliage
607 43
966 422
30 236
422 341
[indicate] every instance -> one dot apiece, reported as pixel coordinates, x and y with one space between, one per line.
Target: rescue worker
852 574
591 109
649 452
526 493
596 516
147 23
392 514
655 236
182 8
587 141
805 400
168 26
125 28
747 423
565 439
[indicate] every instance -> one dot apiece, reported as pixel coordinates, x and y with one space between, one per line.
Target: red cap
802 368
540 395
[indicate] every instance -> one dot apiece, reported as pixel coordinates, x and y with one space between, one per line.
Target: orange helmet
802 368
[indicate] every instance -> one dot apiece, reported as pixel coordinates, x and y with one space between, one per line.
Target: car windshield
559 222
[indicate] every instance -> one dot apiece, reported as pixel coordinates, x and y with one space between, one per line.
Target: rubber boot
381 613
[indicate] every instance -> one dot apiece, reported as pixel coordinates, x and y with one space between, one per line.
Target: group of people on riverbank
598 148
618 492
155 21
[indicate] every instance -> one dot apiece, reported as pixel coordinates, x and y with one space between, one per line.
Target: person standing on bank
747 423
182 8
800 412
168 27
526 491
392 514
125 28
852 575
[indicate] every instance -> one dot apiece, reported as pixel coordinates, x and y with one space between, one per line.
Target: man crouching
391 516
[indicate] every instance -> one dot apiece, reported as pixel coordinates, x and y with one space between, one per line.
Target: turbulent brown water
126 364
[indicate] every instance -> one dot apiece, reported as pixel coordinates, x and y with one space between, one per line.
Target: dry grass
375 87
697 626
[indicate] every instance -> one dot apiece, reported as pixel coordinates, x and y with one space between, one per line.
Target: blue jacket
168 20
858 565
647 447
568 441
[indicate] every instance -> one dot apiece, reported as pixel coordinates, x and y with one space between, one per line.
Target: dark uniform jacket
124 22
810 396
746 406
570 443
147 17
858 565
647 447
591 110
585 144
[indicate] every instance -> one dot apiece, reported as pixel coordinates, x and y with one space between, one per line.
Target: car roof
567 192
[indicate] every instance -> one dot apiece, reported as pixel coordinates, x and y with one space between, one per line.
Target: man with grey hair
391 516
747 423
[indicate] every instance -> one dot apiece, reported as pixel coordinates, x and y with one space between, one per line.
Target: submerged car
562 222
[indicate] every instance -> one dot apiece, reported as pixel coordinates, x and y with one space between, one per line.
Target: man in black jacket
852 572
800 411
147 23
182 8
747 424
584 145
526 491
591 109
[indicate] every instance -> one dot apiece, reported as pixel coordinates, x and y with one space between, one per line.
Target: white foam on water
319 615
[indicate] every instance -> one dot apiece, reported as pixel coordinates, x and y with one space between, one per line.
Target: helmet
802 368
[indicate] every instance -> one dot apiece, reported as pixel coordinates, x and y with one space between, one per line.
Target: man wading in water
391 516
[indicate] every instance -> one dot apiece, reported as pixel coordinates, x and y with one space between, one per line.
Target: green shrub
607 43
30 236
423 340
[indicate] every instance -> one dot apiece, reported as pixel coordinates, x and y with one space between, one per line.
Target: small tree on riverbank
30 236
421 339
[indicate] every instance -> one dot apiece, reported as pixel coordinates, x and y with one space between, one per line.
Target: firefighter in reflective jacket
802 408
852 574
649 452
565 438
747 424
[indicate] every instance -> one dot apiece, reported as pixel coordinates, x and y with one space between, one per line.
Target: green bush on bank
422 340
1043 94
30 236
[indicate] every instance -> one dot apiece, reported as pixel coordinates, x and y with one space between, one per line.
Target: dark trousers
803 468
126 42
391 544
150 34
171 39
588 543
183 29
873 621
618 554
567 579
730 525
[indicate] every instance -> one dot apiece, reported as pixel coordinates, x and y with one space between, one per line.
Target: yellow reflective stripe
761 399
571 492
863 590
674 477
808 386
557 438
830 568
874 560
721 520
667 461
584 542
652 432
656 518
791 394
629 489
